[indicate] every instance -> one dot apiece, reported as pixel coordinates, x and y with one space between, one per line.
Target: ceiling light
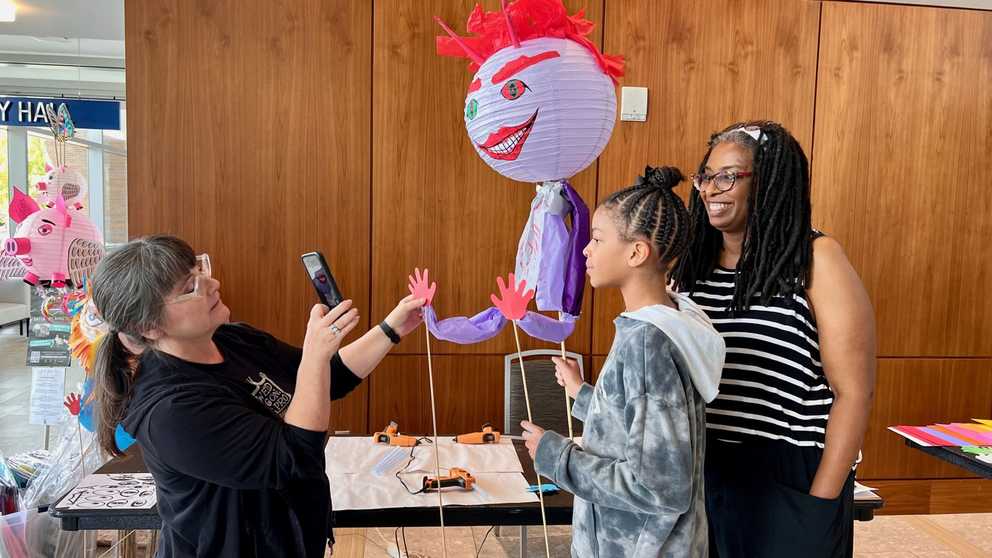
8 11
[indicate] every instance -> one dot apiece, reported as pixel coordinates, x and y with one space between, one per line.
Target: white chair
15 304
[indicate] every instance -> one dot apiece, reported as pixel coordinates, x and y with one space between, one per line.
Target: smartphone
323 281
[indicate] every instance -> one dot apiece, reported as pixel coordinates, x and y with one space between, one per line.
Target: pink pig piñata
51 244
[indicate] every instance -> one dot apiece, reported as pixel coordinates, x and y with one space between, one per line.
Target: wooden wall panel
920 497
706 65
436 203
468 389
902 139
922 391
249 137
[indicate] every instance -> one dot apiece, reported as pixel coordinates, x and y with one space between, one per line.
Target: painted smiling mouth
506 143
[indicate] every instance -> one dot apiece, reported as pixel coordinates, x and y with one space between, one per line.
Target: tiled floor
932 536
908 536
16 434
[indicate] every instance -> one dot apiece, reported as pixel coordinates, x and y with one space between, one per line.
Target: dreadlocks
651 209
778 242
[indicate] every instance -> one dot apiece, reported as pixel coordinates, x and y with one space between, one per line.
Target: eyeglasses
201 272
724 180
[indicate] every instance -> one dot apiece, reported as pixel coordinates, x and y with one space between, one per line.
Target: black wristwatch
390 332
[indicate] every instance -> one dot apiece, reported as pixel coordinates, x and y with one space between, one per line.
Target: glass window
114 198
41 155
115 182
4 181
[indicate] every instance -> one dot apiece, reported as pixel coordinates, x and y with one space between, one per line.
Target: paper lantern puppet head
52 244
62 181
542 103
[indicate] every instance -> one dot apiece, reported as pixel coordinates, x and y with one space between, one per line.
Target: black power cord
479 552
421 440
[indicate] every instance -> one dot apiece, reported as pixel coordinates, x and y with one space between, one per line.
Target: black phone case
322 280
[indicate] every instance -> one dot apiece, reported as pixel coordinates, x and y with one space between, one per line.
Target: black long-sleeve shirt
234 479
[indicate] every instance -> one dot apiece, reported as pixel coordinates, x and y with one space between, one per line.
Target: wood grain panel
436 204
961 496
918 497
469 392
239 145
248 131
902 137
922 391
468 389
706 65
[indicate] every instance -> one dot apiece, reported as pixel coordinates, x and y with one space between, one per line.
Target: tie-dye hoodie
638 477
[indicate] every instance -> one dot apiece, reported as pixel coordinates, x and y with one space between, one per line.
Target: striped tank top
773 386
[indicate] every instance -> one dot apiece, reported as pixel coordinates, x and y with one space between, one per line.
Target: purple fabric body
554 254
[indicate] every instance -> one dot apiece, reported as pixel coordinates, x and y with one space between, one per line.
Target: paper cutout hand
72 403
512 302
419 286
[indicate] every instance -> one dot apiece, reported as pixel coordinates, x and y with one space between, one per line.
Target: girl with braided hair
637 478
786 429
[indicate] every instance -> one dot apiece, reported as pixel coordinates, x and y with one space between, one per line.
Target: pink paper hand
512 302
419 286
72 403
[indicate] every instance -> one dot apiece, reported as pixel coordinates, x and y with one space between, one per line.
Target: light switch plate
634 104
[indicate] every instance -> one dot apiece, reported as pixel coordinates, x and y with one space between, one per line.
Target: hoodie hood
692 332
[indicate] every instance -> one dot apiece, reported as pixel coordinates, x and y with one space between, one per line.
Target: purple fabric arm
546 328
488 323
465 331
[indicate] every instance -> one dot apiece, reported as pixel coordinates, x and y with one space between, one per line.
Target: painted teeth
507 145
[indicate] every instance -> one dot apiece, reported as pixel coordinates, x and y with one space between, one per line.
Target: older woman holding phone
231 421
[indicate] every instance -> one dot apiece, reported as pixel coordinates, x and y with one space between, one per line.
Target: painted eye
45 229
513 89
471 109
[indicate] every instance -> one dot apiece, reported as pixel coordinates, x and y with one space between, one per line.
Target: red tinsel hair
530 19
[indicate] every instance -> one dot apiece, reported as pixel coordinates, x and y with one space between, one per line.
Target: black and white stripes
773 386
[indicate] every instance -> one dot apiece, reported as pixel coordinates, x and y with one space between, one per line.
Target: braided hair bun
651 209
666 178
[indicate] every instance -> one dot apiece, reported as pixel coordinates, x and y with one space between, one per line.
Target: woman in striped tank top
786 429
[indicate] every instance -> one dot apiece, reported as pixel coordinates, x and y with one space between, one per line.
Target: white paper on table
47 395
114 491
359 454
861 489
364 491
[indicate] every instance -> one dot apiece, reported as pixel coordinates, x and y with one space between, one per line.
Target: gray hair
130 287
749 137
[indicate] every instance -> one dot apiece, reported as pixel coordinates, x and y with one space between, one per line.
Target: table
954 456
558 508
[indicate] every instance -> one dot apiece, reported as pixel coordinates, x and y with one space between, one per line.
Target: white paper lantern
540 112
